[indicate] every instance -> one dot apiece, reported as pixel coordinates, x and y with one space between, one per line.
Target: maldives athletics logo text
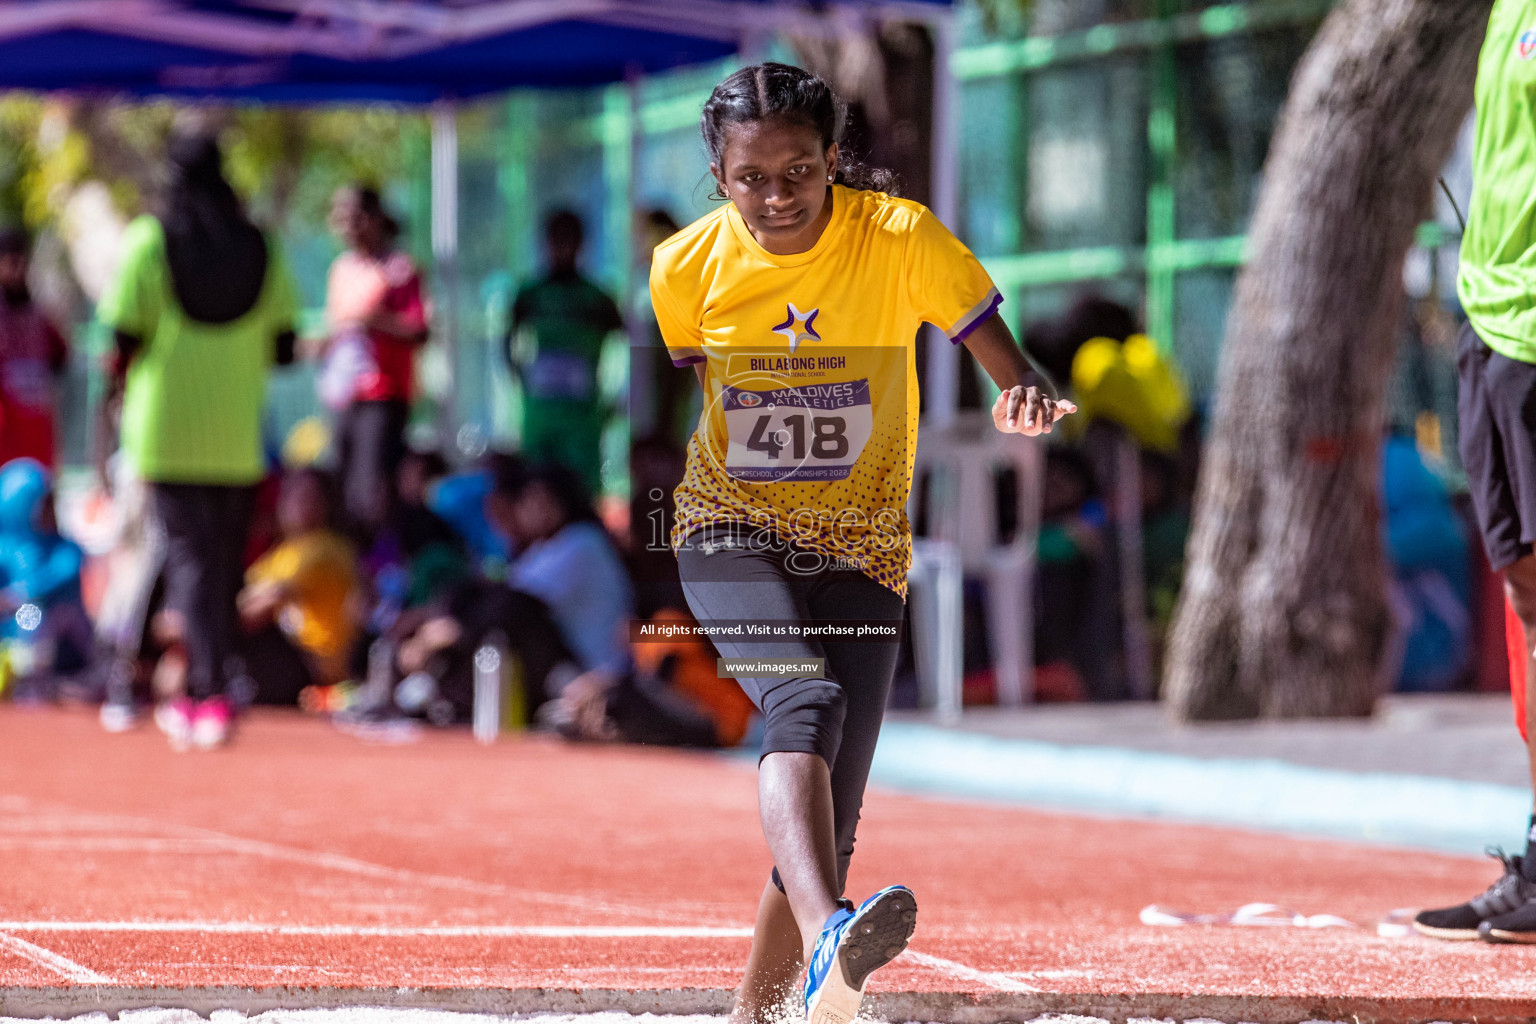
1526 45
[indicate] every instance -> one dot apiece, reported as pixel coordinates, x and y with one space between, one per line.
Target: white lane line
112 844
991 979
343 863
387 931
51 960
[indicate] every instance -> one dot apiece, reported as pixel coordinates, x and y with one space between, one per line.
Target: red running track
303 866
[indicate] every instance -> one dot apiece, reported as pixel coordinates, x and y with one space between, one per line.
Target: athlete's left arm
1022 408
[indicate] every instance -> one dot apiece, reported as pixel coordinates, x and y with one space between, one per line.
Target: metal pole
445 253
640 395
943 357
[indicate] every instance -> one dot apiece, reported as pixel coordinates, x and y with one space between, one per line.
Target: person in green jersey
558 325
202 307
1496 371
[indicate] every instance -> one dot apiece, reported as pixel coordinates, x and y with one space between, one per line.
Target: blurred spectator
202 306
1421 391
33 355
563 610
299 601
567 561
417 557
459 500
1431 572
673 697
44 626
1165 523
656 467
376 311
677 397
133 571
1077 618
558 325
1055 343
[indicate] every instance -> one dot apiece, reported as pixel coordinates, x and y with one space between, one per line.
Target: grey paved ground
1460 736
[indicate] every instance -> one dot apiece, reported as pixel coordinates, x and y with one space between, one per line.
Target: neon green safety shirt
193 398
1497 282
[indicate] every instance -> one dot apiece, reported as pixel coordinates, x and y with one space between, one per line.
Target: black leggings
835 715
205 533
370 442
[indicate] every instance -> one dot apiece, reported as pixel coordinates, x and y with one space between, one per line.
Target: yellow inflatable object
1130 383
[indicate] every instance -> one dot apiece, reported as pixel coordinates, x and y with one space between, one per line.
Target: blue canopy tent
430 52
400 50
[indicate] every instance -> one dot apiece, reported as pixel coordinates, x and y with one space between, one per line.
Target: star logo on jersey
1526 44
797 326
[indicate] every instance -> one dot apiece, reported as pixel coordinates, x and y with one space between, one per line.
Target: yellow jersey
320 568
810 417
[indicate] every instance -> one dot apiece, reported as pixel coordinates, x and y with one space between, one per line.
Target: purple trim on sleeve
688 360
981 318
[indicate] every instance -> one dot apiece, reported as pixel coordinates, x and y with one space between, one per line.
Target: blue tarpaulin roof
393 50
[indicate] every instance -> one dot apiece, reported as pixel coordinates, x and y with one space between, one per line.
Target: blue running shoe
852 945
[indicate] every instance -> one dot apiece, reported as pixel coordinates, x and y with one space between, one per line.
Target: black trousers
835 715
370 442
206 526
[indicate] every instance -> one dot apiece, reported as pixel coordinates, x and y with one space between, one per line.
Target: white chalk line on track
337 862
51 960
991 979
194 839
386 931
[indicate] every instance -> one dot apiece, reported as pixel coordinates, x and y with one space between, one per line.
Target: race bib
814 432
560 375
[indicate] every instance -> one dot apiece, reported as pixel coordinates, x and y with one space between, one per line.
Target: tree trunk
1284 611
886 77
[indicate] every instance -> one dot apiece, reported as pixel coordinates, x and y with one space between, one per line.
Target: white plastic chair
957 470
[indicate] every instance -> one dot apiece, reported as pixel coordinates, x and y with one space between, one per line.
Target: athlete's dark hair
763 92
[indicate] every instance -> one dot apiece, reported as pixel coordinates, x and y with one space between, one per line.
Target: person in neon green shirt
202 306
1496 371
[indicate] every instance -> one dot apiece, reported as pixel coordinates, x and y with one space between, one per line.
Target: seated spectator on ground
417 557
43 625
1055 343
655 469
459 500
568 561
33 356
298 605
563 609
673 697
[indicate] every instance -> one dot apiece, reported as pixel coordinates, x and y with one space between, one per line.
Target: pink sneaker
174 717
211 723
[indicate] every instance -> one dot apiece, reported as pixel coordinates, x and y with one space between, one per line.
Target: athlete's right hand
1028 411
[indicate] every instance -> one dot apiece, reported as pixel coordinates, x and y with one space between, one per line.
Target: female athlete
797 303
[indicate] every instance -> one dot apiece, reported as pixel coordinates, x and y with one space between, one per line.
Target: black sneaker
1518 925
1509 895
